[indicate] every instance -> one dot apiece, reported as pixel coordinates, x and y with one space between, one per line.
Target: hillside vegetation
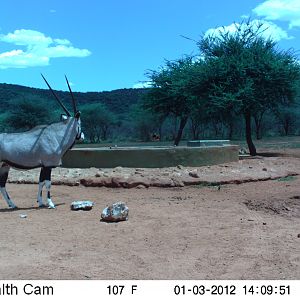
239 86
119 116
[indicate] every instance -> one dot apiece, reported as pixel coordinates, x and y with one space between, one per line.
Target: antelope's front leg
4 169
45 180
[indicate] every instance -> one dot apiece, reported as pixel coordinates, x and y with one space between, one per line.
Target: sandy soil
238 231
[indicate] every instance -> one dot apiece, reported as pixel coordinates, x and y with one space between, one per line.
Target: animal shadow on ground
270 154
6 210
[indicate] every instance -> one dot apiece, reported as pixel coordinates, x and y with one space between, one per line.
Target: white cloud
39 49
283 10
25 37
142 85
245 16
62 41
268 30
219 30
65 51
52 11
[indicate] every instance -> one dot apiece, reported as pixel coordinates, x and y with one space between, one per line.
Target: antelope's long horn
73 99
58 100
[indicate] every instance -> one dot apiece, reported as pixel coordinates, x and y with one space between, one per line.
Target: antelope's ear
77 115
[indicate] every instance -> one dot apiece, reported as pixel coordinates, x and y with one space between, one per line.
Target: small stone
194 173
115 212
177 182
23 216
180 167
178 174
298 235
264 223
265 169
140 186
99 174
82 205
117 169
242 151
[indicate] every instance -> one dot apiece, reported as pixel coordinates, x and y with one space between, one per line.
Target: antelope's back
41 146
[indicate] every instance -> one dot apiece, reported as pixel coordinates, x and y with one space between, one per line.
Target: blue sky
106 45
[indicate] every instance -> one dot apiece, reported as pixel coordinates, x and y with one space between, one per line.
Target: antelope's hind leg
40 194
4 169
45 180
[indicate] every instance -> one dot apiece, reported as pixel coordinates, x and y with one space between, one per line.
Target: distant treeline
119 116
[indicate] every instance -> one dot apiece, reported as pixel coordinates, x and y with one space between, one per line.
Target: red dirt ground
240 231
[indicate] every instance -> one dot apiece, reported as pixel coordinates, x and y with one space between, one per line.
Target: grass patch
288 178
207 184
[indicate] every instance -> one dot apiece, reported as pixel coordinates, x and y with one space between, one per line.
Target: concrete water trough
149 156
208 143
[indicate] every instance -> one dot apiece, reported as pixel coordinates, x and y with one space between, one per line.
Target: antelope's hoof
42 205
51 206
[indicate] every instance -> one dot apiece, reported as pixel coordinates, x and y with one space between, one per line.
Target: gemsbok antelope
41 147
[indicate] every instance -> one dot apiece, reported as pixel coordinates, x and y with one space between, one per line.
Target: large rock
115 213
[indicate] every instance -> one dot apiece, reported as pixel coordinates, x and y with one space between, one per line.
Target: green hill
117 101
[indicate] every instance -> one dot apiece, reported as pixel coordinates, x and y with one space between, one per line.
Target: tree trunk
104 132
230 130
257 128
258 117
194 130
182 124
216 129
160 131
175 128
250 144
257 132
160 128
286 126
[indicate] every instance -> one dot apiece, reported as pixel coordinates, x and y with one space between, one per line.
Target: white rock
82 205
115 212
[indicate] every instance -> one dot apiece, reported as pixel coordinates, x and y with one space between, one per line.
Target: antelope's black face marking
80 134
80 137
77 115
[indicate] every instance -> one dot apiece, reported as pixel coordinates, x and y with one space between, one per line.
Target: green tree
145 122
170 94
97 120
287 116
248 73
26 114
